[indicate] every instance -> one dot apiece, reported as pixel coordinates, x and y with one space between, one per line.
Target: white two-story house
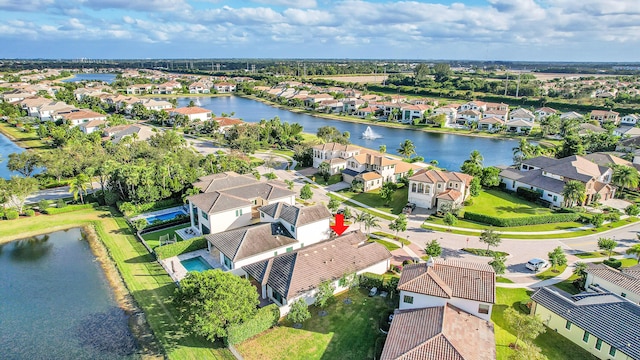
433 188
334 150
623 282
230 201
469 286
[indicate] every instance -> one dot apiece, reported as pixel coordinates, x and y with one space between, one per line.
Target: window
514 184
456 186
238 212
599 344
623 295
612 351
227 262
421 188
293 228
408 299
585 337
439 186
427 189
555 198
568 325
413 187
261 214
205 216
484 309
277 297
290 249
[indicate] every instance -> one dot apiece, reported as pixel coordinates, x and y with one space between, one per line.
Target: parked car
373 291
536 264
409 208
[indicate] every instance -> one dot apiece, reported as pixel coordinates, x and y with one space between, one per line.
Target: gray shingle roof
450 278
607 316
628 279
572 167
304 269
251 240
535 179
297 215
439 333
216 201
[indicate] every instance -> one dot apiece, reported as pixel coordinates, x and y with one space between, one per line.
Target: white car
536 264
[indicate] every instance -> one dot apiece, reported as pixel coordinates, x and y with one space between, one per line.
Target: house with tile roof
604 324
490 124
91 126
469 286
519 126
605 116
136 132
522 114
193 113
630 119
624 282
224 87
548 177
229 200
332 150
77 117
434 188
439 333
169 87
411 112
139 89
544 112
500 114
284 278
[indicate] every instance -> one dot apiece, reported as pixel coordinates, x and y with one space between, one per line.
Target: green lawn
503 280
334 179
373 199
392 236
147 282
21 138
347 332
553 345
626 262
595 254
551 272
389 245
567 285
462 223
501 204
360 208
153 238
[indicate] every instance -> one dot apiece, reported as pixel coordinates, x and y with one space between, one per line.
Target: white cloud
289 3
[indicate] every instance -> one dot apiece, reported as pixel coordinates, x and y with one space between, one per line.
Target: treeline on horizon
310 67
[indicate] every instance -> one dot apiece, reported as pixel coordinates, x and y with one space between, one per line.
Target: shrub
69 208
528 194
597 220
60 203
468 202
264 319
43 205
11 214
523 221
140 224
632 210
614 263
130 209
408 262
29 212
613 216
369 280
181 247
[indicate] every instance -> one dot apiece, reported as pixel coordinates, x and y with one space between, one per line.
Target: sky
511 30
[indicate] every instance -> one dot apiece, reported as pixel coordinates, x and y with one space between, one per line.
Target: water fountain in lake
198 103
369 134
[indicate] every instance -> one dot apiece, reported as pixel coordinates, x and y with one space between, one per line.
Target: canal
7 147
449 150
57 304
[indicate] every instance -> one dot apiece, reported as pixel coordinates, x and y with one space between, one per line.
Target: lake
57 304
449 150
108 78
7 147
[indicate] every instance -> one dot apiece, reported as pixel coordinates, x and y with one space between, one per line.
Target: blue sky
528 30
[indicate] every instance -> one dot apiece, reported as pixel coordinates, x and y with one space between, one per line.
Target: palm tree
476 158
574 191
370 221
635 251
625 177
580 270
382 148
360 218
78 186
521 152
407 149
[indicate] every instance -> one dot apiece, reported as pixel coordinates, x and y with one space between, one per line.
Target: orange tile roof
190 110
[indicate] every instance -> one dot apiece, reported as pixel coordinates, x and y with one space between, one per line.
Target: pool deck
160 212
174 267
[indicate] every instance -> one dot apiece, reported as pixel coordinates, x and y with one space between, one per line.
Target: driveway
617 204
338 186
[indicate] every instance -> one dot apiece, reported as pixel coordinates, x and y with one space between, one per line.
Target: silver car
536 264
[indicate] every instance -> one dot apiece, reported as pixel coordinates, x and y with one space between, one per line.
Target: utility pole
518 85
506 85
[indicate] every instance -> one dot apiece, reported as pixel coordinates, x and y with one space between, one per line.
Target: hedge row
157 225
181 247
69 208
264 319
523 221
131 209
369 280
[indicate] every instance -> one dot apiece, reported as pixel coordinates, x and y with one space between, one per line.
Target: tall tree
625 177
441 72
24 162
17 189
382 149
370 222
305 192
473 165
213 300
608 245
387 191
407 149
399 224
526 327
491 238
634 251
521 152
574 192
433 248
361 218
580 270
497 263
78 186
490 176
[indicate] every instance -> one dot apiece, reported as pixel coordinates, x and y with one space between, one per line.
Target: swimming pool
196 264
164 217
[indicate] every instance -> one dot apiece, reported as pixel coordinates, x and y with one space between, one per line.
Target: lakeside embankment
146 281
356 120
183 95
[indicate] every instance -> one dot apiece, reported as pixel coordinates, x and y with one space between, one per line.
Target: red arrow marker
339 227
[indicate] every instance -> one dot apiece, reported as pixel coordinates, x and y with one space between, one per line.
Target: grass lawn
147 282
553 345
347 332
567 285
626 262
392 236
373 199
551 272
462 223
595 254
389 245
333 179
503 280
23 139
360 208
501 204
153 238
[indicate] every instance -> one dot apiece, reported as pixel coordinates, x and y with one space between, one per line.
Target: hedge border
523 221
